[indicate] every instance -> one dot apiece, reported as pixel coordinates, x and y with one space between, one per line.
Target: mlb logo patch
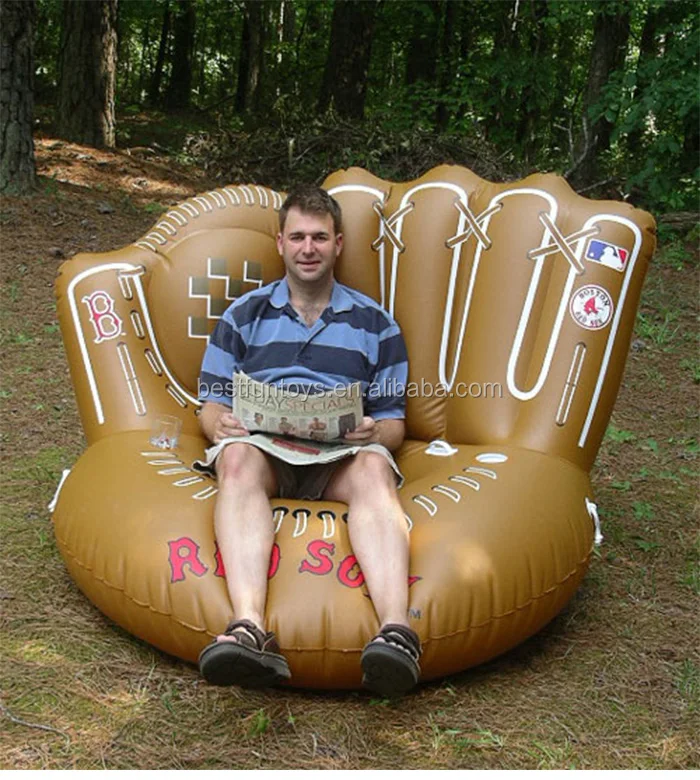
607 254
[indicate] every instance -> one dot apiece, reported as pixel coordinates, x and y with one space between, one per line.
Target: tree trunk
243 67
347 63
539 50
201 47
223 82
260 34
447 62
251 57
286 34
157 77
505 38
17 173
145 47
179 89
289 22
421 64
648 49
87 68
610 36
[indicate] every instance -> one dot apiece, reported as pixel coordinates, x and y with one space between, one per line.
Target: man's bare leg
244 529
378 531
379 538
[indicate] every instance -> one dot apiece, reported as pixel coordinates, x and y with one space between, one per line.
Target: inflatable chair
517 303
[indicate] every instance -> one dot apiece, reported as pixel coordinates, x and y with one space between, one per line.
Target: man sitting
309 330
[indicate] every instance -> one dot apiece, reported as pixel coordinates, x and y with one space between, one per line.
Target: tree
251 63
531 98
610 36
87 68
285 72
177 95
421 62
347 63
446 61
17 173
157 75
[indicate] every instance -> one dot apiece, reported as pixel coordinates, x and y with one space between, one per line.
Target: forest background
112 112
602 91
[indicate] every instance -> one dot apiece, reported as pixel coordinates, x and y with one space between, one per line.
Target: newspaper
299 428
300 452
319 417
297 452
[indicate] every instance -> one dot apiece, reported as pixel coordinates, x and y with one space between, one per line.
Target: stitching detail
218 197
165 231
202 200
160 240
232 196
167 227
247 195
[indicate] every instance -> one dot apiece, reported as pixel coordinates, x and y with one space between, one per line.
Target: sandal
252 660
390 660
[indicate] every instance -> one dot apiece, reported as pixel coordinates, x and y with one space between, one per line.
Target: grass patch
687 680
618 436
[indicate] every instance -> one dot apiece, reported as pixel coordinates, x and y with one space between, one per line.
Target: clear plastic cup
165 432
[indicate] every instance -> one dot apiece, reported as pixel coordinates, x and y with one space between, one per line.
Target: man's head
310 240
310 199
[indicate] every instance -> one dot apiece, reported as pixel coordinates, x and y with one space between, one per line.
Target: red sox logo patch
591 307
107 323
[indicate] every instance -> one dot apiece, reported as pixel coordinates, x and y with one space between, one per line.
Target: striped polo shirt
353 340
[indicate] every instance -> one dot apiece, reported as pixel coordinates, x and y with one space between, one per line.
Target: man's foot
390 661
251 658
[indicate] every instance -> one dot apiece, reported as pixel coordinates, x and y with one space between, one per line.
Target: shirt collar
280 295
340 298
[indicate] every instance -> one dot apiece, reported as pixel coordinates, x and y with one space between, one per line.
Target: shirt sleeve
222 358
386 394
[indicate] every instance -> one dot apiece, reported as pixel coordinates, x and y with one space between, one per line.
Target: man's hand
218 423
227 425
389 433
365 433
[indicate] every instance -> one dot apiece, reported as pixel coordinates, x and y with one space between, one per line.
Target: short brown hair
310 199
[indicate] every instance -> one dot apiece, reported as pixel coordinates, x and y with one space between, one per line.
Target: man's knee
371 471
243 465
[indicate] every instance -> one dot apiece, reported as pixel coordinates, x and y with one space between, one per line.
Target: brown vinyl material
517 302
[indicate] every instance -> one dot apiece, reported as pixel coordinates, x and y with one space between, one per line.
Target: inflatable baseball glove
517 303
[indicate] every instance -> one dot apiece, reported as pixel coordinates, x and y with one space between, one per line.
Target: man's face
309 246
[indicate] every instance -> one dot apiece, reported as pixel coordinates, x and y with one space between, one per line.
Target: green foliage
511 77
654 102
46 42
659 331
687 681
259 723
690 577
693 366
674 251
618 435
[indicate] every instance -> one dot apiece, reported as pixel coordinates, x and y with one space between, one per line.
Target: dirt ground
613 682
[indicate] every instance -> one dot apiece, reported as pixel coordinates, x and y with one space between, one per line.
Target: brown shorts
306 482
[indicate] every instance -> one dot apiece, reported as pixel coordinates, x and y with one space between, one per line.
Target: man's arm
385 405
217 422
390 433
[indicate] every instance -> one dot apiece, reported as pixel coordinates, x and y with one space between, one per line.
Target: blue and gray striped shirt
354 340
